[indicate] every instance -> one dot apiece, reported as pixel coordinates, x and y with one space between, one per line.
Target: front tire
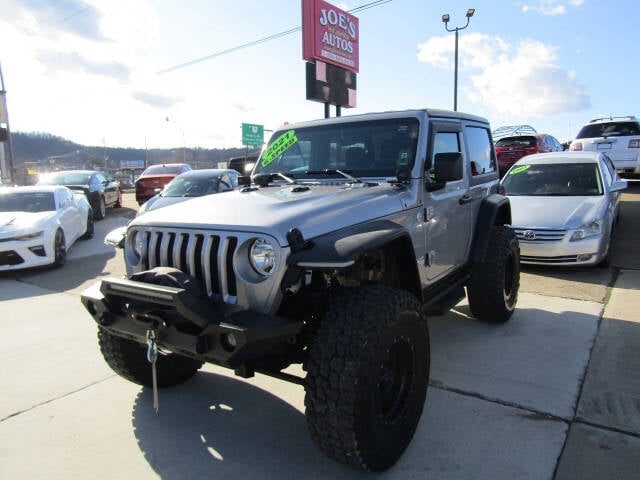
368 371
59 249
494 284
90 227
129 360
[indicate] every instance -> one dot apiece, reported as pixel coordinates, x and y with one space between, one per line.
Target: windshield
65 178
564 179
609 129
367 149
523 141
191 187
27 202
161 170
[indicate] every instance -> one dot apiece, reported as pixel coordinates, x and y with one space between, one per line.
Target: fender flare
342 249
494 210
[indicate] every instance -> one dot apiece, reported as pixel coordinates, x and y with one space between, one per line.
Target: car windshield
370 149
162 170
609 129
523 141
27 202
560 179
65 178
191 187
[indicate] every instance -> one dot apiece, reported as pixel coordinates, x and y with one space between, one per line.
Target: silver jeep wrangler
349 233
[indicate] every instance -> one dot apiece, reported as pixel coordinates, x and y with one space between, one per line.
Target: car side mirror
618 186
447 167
244 180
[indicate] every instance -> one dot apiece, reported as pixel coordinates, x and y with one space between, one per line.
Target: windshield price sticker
519 169
278 147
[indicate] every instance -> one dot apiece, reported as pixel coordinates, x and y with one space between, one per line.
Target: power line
361 8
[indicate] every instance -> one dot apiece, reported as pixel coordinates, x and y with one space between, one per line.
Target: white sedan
39 224
564 207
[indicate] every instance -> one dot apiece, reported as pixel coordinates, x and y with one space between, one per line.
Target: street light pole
445 20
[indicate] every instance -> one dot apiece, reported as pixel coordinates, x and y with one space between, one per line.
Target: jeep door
447 212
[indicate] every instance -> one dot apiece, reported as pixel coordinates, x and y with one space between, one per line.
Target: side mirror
244 180
618 186
448 167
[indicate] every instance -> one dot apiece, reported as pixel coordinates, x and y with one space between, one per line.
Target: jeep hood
274 210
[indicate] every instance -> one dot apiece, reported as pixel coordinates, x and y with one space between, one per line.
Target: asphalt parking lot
552 394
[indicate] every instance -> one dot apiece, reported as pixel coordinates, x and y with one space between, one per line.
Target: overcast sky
88 70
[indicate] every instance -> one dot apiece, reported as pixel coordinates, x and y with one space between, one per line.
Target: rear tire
129 360
101 211
368 371
494 284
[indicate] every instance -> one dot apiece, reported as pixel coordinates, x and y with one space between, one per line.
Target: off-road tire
90 227
59 249
129 360
367 377
494 284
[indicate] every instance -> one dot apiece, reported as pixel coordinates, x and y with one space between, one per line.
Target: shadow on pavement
217 427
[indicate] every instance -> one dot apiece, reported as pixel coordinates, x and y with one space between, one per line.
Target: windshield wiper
333 171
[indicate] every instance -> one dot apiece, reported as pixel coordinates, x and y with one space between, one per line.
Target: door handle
465 199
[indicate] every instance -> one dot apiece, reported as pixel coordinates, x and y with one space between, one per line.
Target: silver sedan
564 207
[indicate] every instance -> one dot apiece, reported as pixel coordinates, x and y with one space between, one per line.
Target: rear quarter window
480 150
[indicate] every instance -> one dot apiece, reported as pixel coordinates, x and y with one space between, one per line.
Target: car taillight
634 143
576 147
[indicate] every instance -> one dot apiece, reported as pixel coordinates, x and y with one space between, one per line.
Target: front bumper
19 254
224 334
588 251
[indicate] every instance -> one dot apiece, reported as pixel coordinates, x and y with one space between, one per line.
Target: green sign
252 135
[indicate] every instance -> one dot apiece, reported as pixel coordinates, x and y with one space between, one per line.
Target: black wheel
129 360
606 260
368 371
90 227
59 249
101 211
494 284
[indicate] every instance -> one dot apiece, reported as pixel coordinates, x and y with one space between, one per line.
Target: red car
511 149
155 177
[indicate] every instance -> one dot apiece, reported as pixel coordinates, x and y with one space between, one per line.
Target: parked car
101 190
195 183
511 149
618 137
155 177
38 224
564 207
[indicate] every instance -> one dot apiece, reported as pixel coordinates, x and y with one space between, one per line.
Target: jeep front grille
204 255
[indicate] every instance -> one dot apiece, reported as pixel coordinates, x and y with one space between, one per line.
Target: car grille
532 235
203 255
10 257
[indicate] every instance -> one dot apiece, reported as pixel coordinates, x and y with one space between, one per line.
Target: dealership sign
329 34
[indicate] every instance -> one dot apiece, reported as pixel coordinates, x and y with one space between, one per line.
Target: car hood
274 210
555 212
159 201
18 221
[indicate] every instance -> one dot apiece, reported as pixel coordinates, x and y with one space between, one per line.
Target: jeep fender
494 210
342 248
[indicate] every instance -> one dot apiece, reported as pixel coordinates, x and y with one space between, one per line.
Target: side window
443 142
481 153
608 174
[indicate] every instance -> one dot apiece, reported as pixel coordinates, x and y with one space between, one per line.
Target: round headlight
138 243
262 256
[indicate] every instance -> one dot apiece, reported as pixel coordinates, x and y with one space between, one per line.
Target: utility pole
6 152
